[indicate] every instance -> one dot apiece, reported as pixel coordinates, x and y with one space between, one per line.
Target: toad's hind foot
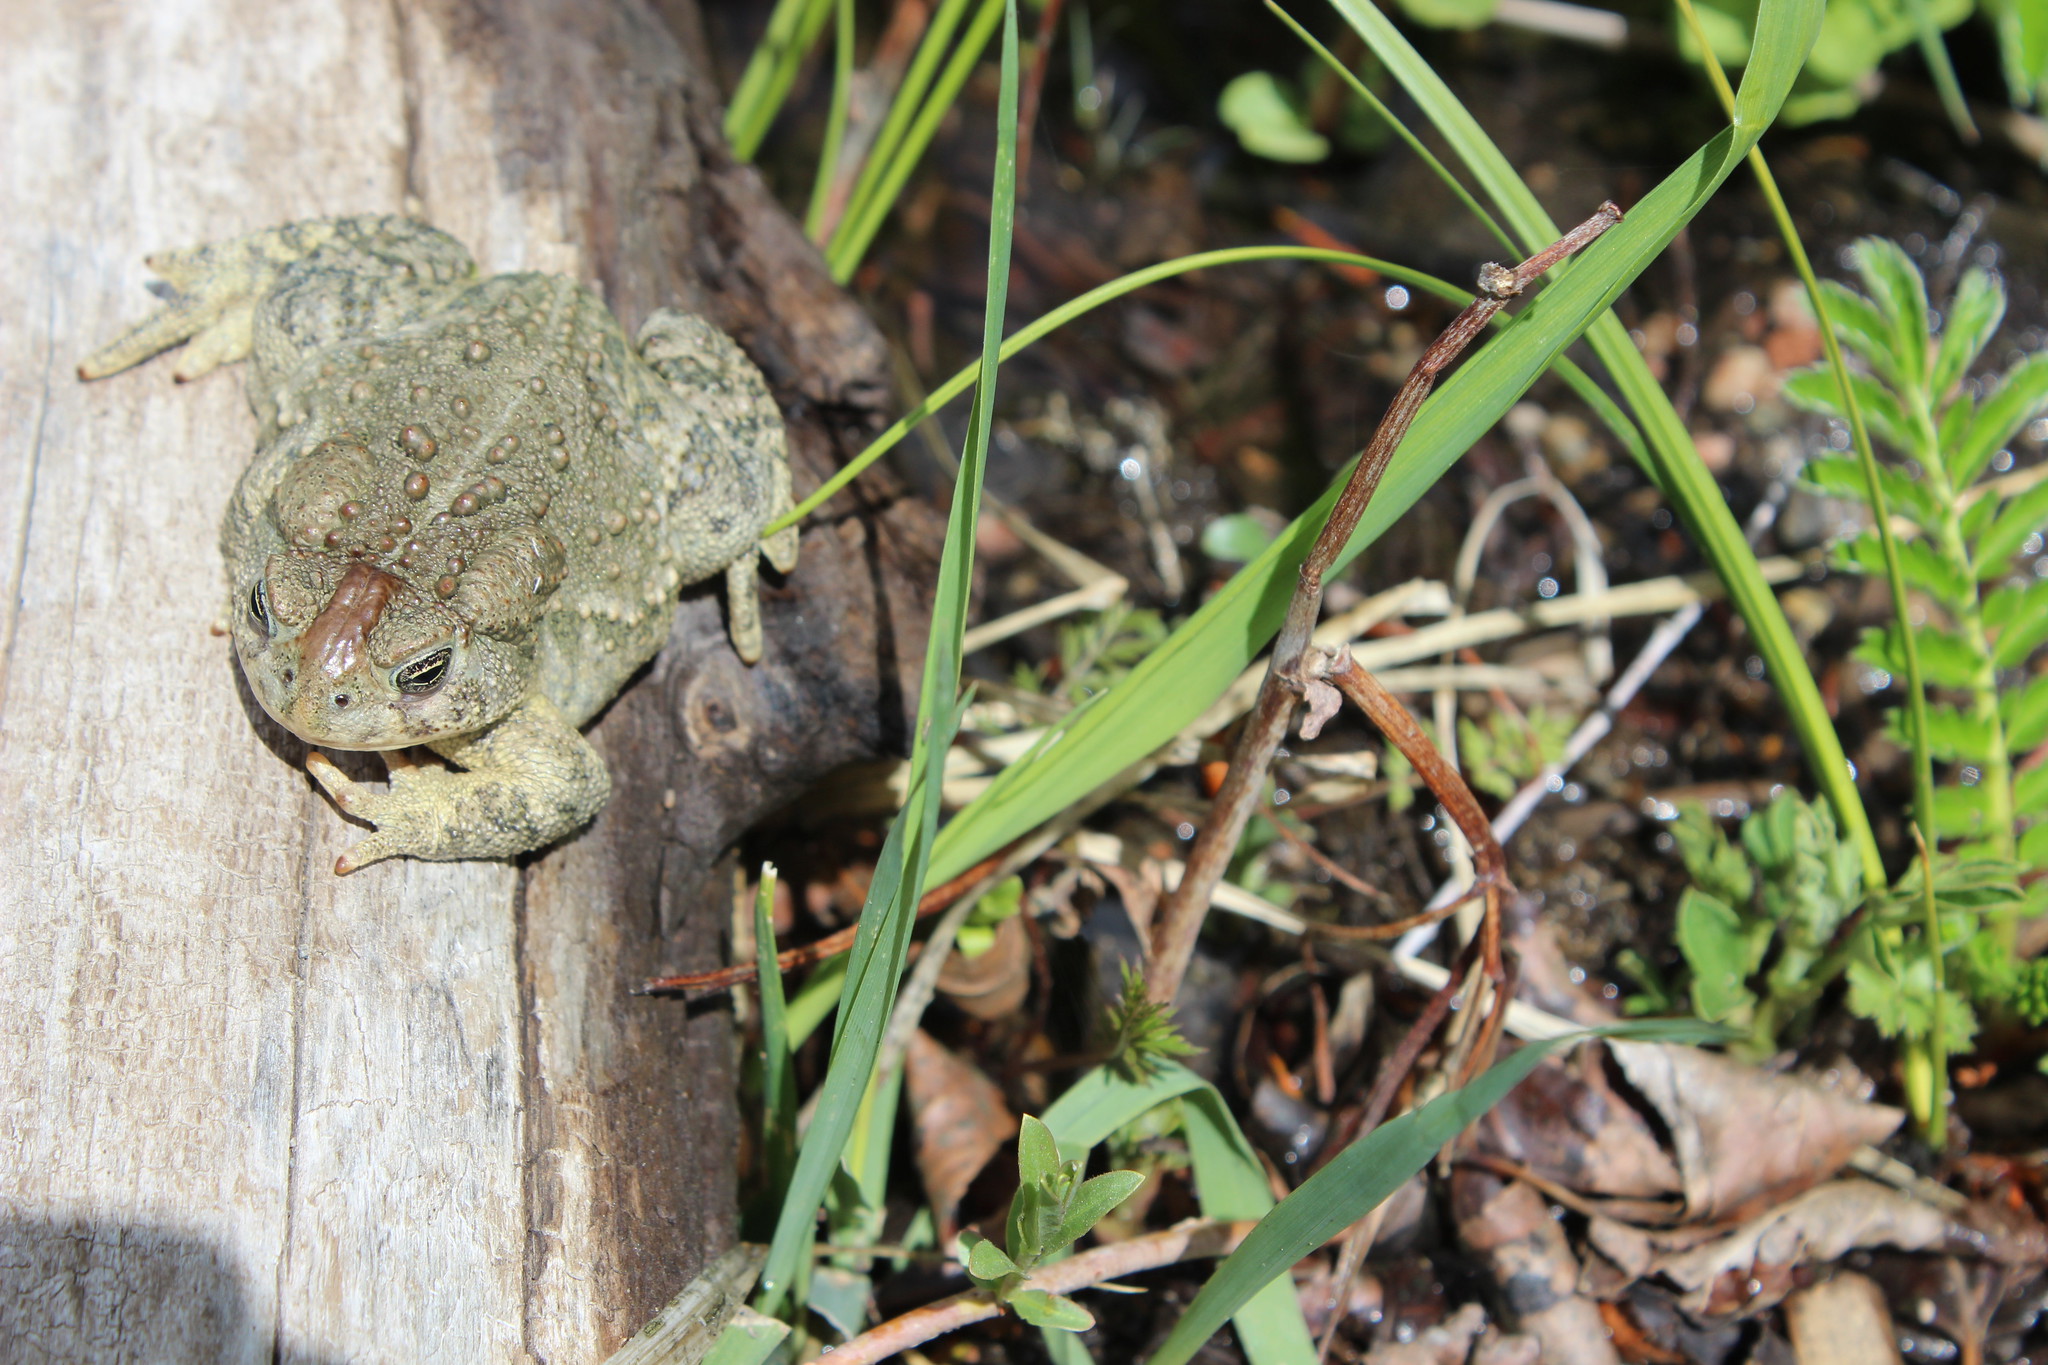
528 780
210 295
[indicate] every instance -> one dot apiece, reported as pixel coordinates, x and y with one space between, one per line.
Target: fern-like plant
1911 383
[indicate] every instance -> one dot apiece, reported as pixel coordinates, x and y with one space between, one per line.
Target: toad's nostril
340 700
289 676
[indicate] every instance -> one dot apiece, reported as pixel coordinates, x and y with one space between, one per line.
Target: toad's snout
333 701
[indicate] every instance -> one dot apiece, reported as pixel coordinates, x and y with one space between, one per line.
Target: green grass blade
1784 32
875 966
1356 1181
835 120
792 28
903 107
855 233
1581 383
1229 1181
778 1078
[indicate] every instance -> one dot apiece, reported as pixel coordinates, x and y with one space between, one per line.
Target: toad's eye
259 605
423 675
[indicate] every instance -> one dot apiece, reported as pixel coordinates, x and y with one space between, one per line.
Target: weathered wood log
249 1110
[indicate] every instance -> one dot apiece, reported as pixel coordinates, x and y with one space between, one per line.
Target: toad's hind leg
278 291
735 461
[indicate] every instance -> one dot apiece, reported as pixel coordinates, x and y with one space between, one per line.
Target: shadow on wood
251 1110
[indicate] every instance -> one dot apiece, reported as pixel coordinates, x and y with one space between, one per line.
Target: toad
472 505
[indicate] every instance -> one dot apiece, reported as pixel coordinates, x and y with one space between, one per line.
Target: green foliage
1787 889
978 934
1097 650
1774 919
2030 993
1892 982
1857 35
1236 538
1268 122
1912 394
1505 750
1143 1038
1053 1208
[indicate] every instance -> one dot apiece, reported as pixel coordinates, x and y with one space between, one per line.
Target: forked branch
1180 918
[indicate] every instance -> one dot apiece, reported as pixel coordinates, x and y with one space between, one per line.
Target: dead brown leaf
961 1122
1755 1266
1745 1137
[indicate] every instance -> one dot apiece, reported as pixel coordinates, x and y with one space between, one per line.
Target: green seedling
1916 400
1505 749
1788 888
1096 652
1053 1208
1776 918
1143 1039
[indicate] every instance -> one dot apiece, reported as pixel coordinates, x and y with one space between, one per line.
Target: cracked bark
253 1111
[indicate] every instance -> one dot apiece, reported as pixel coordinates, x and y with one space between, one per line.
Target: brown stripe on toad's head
338 637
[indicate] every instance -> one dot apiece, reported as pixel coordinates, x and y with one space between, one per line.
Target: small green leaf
1922 564
2021 631
1974 313
986 1260
1946 659
2019 518
1716 866
1054 1312
2021 393
1894 285
1862 330
1958 812
1841 476
2024 712
1038 1156
1716 946
1092 1203
2033 849
2003 606
1235 539
2030 790
1815 390
1875 996
1255 108
1952 735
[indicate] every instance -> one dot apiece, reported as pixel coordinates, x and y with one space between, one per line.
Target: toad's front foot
529 780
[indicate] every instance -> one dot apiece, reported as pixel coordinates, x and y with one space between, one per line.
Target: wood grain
248 1110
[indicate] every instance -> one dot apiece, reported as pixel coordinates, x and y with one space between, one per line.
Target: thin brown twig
739 973
1180 917
1386 712
1337 870
1191 1240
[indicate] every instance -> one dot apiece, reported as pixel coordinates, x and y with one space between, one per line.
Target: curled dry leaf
1744 1137
1750 1269
961 1122
1508 1225
993 983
